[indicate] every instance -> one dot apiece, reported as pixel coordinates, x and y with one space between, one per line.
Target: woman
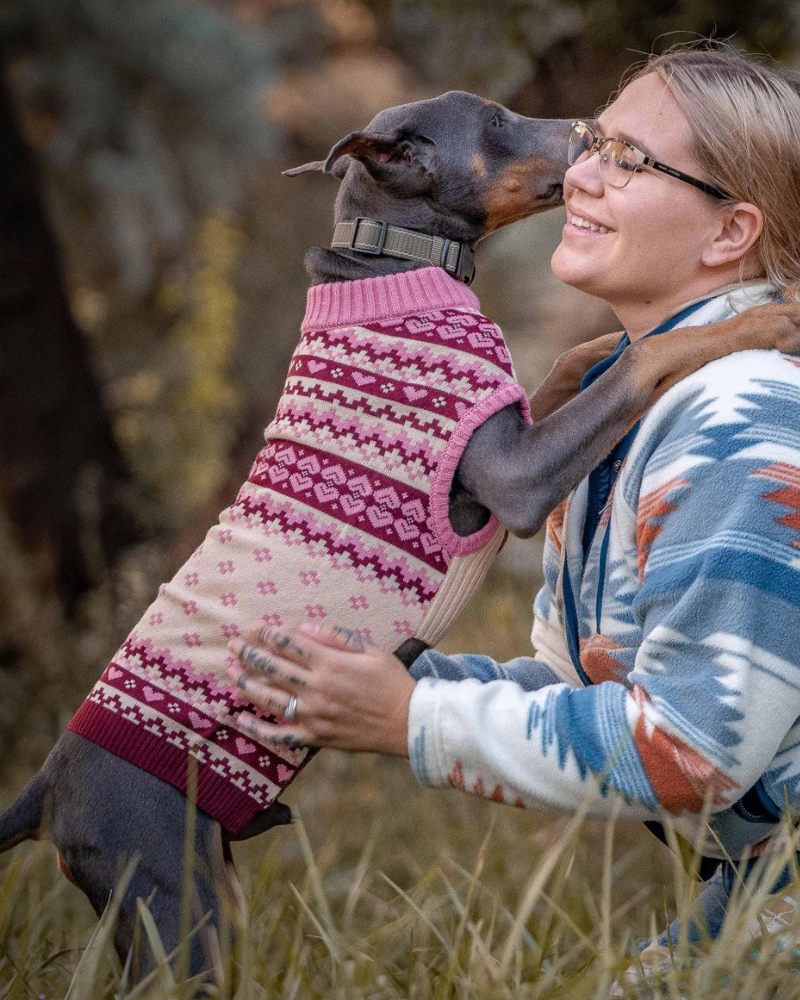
667 667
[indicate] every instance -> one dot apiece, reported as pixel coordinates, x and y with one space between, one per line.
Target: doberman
457 167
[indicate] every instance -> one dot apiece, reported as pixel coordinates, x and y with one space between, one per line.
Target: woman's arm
538 749
715 687
716 682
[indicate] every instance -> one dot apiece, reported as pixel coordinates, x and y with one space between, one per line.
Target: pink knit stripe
461 545
353 303
348 393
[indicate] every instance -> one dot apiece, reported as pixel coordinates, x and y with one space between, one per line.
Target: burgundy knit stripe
216 794
191 717
467 333
395 571
149 654
376 504
432 367
374 399
358 302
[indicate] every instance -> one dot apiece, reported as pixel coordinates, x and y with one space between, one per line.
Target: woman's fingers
288 642
272 699
345 639
350 694
295 736
281 671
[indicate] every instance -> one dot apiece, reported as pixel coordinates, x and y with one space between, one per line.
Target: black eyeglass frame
642 160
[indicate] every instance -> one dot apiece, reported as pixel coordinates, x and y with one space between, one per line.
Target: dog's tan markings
478 165
63 867
516 192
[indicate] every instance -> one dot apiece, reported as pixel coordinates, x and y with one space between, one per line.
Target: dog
419 188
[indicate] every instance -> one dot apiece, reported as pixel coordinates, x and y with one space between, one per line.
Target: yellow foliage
205 407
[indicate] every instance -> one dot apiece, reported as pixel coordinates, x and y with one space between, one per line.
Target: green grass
388 890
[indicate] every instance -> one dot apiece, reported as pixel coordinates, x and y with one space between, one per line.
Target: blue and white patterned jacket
671 642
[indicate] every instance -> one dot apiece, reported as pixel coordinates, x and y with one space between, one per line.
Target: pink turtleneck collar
354 303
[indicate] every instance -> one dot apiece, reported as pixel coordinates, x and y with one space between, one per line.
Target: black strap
379 239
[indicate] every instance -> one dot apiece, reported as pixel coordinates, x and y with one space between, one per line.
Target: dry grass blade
84 982
536 885
163 970
321 900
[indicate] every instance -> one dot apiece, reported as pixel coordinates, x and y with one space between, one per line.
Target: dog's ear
338 171
404 160
305 168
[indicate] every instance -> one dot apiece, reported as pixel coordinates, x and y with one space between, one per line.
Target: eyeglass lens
617 161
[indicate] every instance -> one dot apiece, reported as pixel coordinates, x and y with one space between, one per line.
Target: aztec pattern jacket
344 516
667 633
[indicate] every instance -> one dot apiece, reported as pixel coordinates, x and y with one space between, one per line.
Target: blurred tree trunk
62 477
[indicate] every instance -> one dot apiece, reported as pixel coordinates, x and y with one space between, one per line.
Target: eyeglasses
619 160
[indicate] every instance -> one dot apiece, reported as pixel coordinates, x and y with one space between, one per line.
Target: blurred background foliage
152 285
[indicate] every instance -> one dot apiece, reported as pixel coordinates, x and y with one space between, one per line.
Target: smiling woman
618 238
666 633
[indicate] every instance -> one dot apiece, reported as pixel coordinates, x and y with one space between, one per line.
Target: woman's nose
585 175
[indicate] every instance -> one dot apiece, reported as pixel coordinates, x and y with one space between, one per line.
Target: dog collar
379 239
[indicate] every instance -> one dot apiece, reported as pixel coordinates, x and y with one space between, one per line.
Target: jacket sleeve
715 686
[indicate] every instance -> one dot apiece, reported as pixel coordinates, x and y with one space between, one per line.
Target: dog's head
463 158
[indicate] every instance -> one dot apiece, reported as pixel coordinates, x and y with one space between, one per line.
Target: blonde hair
745 118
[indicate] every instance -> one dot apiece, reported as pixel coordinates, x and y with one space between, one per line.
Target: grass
388 890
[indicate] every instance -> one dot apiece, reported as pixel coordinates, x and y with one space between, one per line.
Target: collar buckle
375 251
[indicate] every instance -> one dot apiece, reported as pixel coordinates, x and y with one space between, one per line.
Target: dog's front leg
563 382
521 472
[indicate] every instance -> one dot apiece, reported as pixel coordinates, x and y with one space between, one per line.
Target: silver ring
291 709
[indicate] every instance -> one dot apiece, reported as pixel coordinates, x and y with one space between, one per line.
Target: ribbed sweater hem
354 303
216 795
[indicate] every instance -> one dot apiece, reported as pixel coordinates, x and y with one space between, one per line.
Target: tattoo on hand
283 642
355 640
259 662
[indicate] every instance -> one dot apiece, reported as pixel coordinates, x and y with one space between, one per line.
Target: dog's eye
497 120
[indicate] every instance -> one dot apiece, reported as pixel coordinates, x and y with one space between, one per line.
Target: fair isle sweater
671 631
344 517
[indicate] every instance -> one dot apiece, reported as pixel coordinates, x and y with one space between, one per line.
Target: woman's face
657 226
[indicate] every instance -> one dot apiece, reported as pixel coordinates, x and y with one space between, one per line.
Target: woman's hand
349 694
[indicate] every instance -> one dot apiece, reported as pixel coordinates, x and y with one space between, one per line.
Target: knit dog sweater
344 517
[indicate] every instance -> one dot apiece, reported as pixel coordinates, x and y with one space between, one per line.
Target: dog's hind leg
23 818
101 812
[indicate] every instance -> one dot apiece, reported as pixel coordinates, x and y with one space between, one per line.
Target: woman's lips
584 226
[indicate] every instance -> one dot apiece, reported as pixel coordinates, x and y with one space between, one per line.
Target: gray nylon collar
379 239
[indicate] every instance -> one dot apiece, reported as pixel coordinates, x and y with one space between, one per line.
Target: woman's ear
738 232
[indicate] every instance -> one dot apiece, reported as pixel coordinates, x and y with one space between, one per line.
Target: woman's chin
575 270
